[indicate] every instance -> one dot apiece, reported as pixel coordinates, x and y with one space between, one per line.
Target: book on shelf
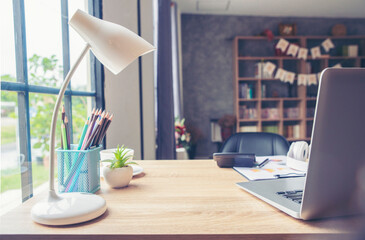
259 71
291 112
270 128
247 112
216 135
263 90
270 113
350 50
292 131
246 91
296 131
252 128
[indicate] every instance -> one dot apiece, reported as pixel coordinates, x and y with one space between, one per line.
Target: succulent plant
120 158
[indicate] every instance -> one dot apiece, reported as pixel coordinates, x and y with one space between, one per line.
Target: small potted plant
119 173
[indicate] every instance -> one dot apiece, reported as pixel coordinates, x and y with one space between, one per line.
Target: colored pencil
68 135
99 116
63 132
77 163
93 133
103 129
61 140
66 160
63 120
106 128
89 129
63 113
74 173
91 138
83 134
95 118
97 137
72 182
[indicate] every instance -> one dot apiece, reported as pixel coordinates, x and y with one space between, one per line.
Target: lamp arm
55 114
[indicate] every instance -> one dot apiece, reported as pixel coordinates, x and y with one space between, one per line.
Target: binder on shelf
270 128
248 129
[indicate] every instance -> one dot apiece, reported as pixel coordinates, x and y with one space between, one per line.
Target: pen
288 175
263 163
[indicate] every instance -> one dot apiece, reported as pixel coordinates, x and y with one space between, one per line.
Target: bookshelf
266 104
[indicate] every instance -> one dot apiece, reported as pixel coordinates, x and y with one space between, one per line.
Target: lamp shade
115 46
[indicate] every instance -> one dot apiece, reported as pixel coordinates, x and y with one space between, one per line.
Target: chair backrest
259 143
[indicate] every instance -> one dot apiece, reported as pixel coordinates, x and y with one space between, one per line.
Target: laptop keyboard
295 195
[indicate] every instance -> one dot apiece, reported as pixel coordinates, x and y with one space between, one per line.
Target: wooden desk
180 200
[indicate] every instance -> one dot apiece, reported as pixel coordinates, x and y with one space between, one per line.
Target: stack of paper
275 168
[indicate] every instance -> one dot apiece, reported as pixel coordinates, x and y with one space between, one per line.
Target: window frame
23 89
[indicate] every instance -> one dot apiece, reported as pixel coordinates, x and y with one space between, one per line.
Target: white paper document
275 168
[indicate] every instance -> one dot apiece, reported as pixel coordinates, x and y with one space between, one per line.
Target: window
33 66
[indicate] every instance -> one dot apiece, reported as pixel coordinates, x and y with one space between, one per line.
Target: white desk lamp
116 47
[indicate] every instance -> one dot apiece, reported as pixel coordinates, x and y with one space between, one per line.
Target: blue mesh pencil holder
78 170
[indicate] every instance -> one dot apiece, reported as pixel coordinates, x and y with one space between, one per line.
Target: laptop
337 155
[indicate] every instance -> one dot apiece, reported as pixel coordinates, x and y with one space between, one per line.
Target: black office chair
259 143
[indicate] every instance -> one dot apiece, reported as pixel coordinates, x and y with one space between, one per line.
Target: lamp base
68 208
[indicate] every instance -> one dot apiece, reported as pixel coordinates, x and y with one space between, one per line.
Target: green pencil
83 134
64 138
65 155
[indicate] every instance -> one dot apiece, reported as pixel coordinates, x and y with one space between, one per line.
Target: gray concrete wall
207 61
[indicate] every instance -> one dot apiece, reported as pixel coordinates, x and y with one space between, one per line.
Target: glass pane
81 79
7 60
81 109
44 42
10 191
40 110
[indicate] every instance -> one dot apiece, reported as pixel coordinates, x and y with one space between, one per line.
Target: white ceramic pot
108 154
118 177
